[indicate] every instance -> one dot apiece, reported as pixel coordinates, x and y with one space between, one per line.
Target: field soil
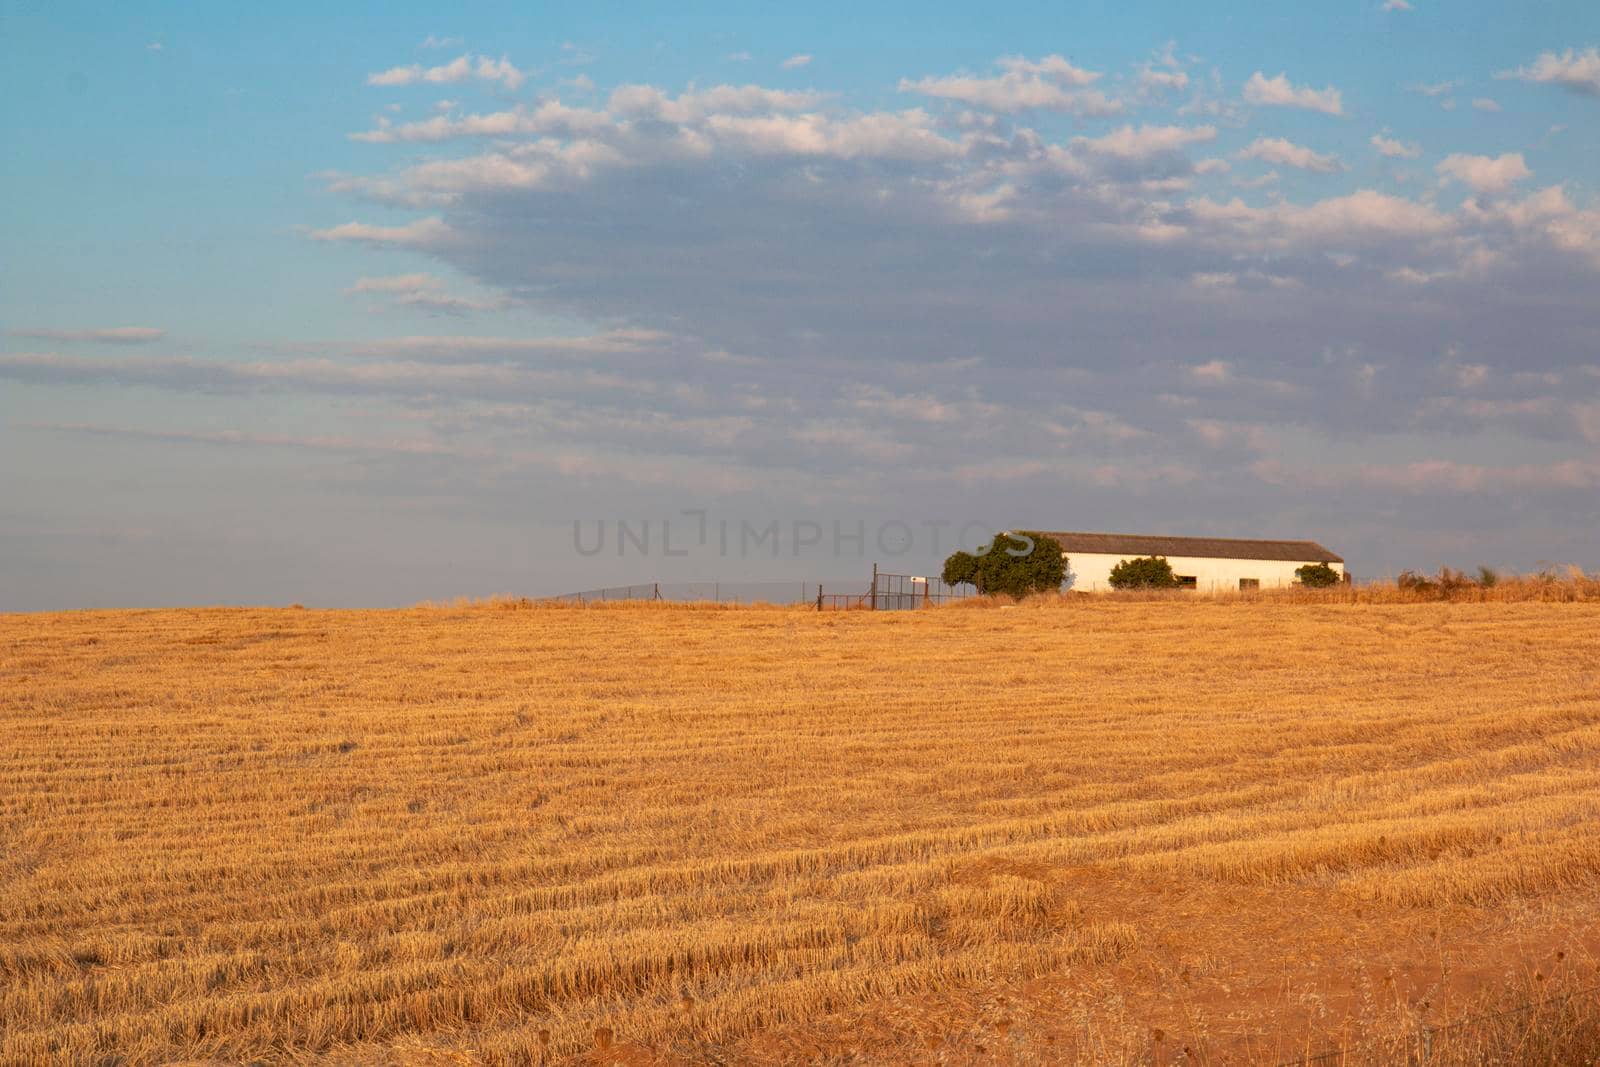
1099 831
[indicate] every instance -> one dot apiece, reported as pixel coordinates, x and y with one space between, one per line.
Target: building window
1250 584
1187 581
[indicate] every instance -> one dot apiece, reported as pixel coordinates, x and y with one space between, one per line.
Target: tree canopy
1014 563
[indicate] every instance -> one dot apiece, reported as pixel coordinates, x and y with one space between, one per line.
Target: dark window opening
1249 583
1187 581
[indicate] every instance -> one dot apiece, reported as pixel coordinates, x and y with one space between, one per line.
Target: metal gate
894 592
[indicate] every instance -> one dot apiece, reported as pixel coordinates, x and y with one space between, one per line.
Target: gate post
874 587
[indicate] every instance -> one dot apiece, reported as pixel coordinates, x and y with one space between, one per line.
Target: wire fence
708 592
894 592
883 592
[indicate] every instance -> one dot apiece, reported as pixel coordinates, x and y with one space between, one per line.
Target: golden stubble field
1102 831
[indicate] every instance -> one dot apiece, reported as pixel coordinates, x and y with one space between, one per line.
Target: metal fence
712 592
894 592
885 592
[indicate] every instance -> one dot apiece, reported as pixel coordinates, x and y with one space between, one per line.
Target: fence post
874 587
819 596
658 591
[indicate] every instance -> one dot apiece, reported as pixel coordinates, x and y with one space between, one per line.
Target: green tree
1145 572
1317 576
960 569
1014 564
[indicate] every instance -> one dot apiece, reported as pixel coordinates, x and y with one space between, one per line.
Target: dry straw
477 834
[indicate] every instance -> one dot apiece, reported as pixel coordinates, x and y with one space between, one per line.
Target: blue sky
365 307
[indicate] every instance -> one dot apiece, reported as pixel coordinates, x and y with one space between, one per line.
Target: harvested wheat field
1097 832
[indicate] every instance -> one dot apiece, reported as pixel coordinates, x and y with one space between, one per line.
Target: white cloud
1365 213
1577 71
454 349
912 195
738 57
693 106
879 402
112 335
1388 146
433 41
1483 103
550 118
1280 93
421 233
1048 84
1214 371
1550 214
1053 66
1153 78
900 135
457 70
499 70
795 62
1278 150
1163 73
396 283
1145 141
416 72
1439 91
1436 89
1396 5
1269 178
1216 433
1449 476
1485 174
423 291
852 437
1367 210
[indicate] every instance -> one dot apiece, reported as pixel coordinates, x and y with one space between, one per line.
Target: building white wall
1092 571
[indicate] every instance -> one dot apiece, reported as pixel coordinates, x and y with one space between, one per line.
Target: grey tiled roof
1131 545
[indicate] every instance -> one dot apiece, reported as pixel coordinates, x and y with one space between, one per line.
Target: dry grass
641 834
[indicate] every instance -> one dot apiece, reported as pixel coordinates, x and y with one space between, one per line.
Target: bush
1452 583
1317 576
1448 584
1418 584
1014 564
1145 572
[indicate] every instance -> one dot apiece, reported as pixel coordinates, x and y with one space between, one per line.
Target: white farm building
1206 564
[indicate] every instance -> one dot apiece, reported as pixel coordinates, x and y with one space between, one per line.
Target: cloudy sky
340 309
